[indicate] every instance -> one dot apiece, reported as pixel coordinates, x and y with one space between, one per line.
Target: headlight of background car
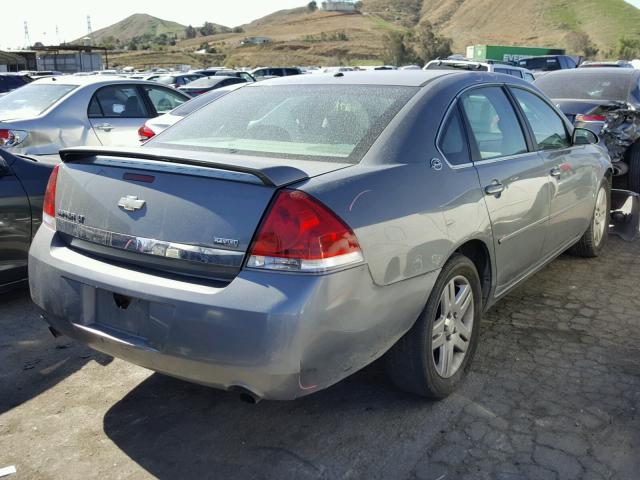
11 138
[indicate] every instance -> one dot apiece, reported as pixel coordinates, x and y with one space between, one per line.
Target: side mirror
583 136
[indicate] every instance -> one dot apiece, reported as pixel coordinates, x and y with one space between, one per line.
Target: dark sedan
23 183
203 85
591 97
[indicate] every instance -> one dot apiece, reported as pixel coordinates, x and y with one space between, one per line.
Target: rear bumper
278 335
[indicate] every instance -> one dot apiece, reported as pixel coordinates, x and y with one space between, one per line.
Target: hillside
301 37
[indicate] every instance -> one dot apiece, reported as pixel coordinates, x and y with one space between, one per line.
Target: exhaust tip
246 395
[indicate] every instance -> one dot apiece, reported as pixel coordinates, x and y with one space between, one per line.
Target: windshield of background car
32 99
306 122
594 85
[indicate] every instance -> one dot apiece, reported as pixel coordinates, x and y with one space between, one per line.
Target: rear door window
548 128
163 99
118 101
515 73
494 124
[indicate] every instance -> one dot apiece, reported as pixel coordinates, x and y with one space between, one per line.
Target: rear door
569 169
15 227
514 180
116 112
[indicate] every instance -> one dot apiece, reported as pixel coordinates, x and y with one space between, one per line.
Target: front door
116 112
514 180
569 168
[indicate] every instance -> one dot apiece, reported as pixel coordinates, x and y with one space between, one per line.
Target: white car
480 66
53 113
156 125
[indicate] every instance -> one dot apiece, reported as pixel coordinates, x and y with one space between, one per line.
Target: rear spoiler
268 172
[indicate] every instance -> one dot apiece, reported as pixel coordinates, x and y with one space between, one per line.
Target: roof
594 71
408 78
81 80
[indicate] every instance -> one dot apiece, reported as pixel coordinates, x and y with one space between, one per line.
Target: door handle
555 172
495 188
107 127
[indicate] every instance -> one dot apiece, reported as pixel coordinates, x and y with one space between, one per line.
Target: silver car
59 112
286 235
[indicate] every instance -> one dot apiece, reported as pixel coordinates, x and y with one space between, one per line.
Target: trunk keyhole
122 301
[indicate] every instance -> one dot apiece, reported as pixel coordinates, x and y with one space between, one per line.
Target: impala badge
131 203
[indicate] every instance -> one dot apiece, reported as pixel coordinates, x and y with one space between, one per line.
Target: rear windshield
31 100
591 85
305 122
456 66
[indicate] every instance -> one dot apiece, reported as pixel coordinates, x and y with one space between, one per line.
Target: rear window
305 122
586 85
32 99
544 64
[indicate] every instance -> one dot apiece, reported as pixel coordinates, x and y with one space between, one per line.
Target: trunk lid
183 212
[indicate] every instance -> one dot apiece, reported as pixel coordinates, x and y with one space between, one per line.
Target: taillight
300 234
590 118
11 138
145 133
49 204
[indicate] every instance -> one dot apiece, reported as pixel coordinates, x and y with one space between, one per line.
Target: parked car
235 73
11 81
209 72
286 235
588 95
53 113
486 66
275 72
614 64
177 80
548 63
23 182
36 74
156 125
203 85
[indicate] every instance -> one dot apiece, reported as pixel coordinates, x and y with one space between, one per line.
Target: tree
395 51
580 42
207 29
312 6
427 44
238 29
132 45
629 48
190 32
358 6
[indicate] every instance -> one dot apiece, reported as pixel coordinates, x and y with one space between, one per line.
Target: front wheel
433 357
595 238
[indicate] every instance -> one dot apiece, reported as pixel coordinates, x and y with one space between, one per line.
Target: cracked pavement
553 393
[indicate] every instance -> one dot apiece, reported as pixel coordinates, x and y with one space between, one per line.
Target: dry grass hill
299 36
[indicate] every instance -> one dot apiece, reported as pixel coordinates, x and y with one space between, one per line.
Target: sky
70 16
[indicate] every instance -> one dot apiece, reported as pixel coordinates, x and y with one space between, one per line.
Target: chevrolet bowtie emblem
131 203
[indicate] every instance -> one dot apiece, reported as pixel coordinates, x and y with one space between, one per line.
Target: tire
633 161
413 364
595 238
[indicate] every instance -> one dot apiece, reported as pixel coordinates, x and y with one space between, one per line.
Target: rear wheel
432 358
595 238
633 161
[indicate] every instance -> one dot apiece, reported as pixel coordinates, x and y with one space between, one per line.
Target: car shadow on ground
32 360
174 429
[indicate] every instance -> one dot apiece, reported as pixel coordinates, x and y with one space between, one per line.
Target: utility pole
89 31
27 40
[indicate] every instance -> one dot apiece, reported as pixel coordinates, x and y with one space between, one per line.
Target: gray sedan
58 112
286 235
